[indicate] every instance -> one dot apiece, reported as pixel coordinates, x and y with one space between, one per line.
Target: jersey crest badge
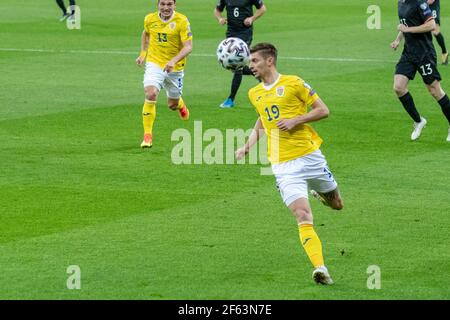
280 91
172 25
423 6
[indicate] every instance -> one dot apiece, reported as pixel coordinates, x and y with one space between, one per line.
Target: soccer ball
233 53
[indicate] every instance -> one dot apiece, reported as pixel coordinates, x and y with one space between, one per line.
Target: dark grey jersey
413 13
237 12
436 9
435 5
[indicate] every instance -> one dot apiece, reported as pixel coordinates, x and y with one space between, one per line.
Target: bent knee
151 93
152 96
173 106
337 204
399 90
433 92
436 92
303 215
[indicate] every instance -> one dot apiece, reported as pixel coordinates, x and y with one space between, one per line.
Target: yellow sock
180 103
311 243
148 115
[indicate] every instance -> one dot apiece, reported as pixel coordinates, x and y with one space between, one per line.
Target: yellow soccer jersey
288 98
166 38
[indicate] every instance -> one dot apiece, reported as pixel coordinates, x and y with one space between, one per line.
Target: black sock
72 3
441 42
246 71
236 83
408 103
445 106
61 5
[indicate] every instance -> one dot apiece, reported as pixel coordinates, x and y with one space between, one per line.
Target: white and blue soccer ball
233 53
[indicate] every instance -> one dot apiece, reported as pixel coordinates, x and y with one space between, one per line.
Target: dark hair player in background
239 21
416 24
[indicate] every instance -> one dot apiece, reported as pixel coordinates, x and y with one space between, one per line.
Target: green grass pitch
76 189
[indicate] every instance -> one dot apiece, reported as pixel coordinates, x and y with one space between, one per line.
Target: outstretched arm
319 110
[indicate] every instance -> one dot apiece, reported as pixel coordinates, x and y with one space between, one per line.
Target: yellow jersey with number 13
287 98
166 38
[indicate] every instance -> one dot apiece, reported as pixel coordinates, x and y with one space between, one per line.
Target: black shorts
246 36
426 66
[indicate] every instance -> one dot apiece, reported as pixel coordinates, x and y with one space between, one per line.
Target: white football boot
418 126
321 275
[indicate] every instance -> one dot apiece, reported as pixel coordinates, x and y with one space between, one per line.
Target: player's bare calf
330 199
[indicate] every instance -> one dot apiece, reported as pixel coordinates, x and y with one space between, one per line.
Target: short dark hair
266 50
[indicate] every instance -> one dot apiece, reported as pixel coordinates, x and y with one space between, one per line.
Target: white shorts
171 82
295 177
